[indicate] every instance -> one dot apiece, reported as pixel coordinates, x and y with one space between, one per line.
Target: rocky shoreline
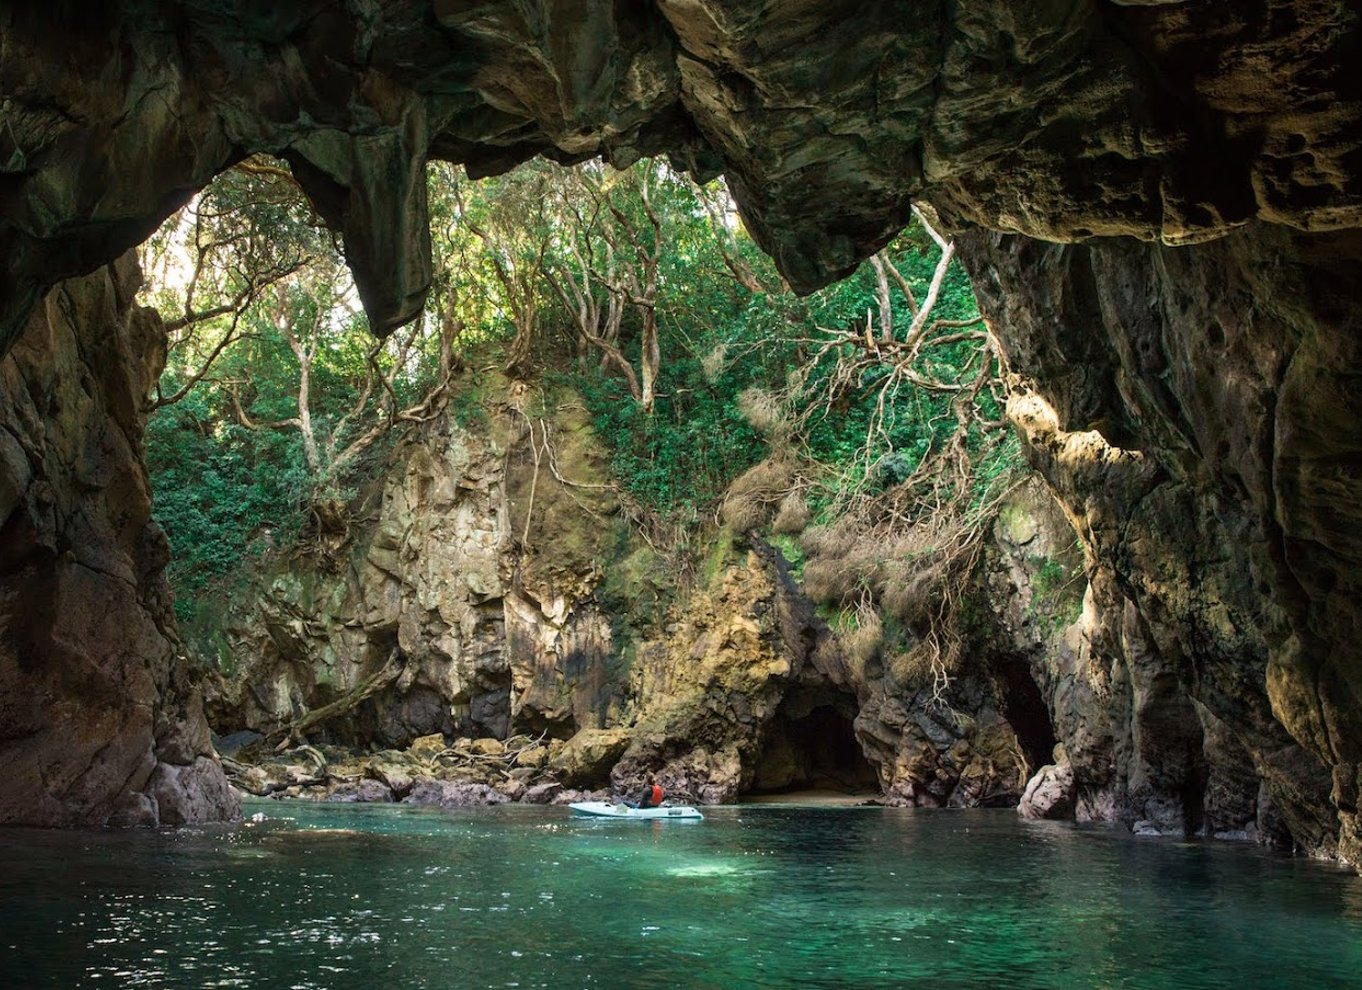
464 773
431 771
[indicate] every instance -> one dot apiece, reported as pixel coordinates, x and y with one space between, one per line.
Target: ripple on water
331 897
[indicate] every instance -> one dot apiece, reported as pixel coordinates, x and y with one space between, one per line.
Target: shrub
793 514
863 641
764 413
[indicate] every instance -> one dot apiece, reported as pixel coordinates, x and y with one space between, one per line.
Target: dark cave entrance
1023 706
810 744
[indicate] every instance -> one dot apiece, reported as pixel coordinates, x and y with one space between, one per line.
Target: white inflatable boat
609 809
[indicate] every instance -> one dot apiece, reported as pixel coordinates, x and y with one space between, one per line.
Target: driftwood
237 772
293 731
498 762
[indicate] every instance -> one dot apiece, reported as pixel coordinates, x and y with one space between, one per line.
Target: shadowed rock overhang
1062 119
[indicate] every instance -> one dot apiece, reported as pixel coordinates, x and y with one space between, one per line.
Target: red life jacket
657 795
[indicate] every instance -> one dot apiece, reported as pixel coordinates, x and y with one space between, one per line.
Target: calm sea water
395 897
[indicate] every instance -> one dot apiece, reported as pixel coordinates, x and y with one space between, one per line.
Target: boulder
190 794
453 794
588 756
1049 793
428 747
487 747
358 791
397 779
542 793
532 756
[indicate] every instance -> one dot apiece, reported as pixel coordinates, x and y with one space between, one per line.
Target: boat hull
609 809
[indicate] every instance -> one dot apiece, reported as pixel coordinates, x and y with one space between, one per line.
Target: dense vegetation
719 393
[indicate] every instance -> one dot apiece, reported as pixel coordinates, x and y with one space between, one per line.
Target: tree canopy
719 392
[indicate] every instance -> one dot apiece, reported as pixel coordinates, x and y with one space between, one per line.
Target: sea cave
419 418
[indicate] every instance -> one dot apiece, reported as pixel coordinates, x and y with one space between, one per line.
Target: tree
310 315
508 217
941 353
210 263
612 243
274 389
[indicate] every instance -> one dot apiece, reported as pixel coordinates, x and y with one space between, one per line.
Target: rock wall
1218 495
435 590
1195 412
470 619
490 584
1059 119
100 721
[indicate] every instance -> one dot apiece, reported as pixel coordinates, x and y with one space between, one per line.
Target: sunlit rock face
99 720
1196 412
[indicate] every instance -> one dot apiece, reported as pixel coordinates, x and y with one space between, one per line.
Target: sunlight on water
705 870
336 897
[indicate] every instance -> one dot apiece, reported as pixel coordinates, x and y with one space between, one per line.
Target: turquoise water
395 897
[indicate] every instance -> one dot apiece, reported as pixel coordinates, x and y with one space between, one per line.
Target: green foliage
467 404
1057 593
792 552
221 491
683 455
719 339
578 272
273 393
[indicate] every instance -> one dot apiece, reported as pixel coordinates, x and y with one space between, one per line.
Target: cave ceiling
1060 119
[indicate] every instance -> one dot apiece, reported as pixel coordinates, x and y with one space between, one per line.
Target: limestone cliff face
436 591
100 721
972 736
490 586
1194 412
709 685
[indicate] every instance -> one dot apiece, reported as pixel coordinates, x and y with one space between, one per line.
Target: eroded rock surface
434 590
1050 793
1194 412
1193 409
471 625
100 721
488 584
1065 119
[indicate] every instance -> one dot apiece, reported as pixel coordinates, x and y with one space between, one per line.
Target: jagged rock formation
1074 118
491 583
1136 747
1217 377
712 688
100 720
469 620
1192 409
473 617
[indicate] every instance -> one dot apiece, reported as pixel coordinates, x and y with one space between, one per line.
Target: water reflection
759 897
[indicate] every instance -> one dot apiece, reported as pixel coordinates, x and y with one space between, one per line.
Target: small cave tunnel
810 744
1023 706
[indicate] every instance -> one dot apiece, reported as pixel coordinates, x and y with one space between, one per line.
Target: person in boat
651 796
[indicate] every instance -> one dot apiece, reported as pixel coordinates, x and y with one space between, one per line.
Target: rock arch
1211 161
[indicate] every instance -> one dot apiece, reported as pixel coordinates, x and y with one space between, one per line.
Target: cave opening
811 744
1024 707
